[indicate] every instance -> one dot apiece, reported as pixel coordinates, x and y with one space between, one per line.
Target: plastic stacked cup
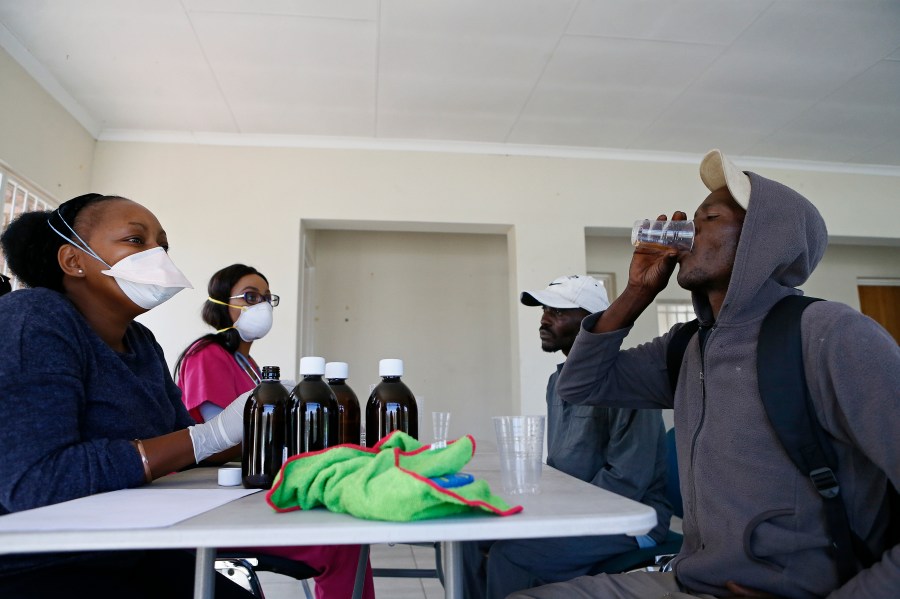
520 442
678 234
440 422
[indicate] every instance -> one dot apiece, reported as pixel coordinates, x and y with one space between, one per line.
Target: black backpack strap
785 396
676 348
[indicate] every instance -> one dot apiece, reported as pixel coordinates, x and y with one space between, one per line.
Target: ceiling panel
442 61
802 50
334 9
782 66
864 114
884 154
604 91
132 64
293 74
791 79
699 121
692 21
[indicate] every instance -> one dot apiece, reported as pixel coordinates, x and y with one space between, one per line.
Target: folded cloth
387 482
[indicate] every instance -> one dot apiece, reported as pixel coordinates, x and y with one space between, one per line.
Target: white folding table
566 506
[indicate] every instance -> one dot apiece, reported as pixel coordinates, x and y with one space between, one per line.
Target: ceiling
791 80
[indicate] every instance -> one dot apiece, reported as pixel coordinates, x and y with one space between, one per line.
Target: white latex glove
224 431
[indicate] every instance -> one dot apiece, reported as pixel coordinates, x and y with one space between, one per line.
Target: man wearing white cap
754 524
620 450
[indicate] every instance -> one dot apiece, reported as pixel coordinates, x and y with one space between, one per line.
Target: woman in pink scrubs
217 367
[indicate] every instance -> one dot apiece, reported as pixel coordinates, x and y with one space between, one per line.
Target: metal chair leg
241 571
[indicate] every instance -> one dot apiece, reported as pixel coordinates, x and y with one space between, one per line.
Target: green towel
387 482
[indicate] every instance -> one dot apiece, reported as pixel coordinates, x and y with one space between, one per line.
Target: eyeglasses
253 297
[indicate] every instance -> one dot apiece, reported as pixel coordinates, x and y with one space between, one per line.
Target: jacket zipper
702 340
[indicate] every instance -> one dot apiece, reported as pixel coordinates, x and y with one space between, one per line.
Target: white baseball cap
574 291
717 171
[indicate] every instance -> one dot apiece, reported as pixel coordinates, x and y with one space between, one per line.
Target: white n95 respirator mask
254 322
147 278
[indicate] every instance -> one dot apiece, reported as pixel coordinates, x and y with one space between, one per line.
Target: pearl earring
81 272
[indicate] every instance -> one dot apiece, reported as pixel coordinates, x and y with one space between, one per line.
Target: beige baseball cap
717 171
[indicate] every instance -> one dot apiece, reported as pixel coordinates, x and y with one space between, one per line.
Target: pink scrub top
214 375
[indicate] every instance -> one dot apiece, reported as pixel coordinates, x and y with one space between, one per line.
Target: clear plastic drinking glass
520 442
440 422
678 234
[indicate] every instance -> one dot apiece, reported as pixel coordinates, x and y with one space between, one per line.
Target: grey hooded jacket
750 515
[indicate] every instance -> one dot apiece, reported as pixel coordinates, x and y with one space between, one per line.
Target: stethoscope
248 368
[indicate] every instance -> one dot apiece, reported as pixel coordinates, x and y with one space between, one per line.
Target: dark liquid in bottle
313 416
391 407
264 429
348 412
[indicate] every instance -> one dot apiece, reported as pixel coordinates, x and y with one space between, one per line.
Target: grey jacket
750 515
617 449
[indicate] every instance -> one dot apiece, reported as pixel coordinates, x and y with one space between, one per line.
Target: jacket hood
782 241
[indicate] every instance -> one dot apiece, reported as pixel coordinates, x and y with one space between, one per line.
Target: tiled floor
382 556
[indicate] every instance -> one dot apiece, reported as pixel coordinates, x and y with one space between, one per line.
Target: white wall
225 204
439 301
38 138
835 278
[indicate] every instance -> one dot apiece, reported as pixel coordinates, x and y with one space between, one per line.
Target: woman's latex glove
224 431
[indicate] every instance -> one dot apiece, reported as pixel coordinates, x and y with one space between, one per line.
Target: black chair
241 567
5 284
657 557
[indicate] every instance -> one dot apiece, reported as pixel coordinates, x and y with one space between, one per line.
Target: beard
549 342
549 346
709 271
554 343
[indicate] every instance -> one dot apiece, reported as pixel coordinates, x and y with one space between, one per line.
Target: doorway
439 301
880 301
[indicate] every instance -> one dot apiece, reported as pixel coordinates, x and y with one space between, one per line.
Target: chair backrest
651 559
673 488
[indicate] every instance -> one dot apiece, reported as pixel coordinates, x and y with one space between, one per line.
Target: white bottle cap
229 477
390 367
337 370
312 365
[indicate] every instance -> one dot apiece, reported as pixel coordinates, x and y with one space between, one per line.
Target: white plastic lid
337 370
390 367
229 477
312 365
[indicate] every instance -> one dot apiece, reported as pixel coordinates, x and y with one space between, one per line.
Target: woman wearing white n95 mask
88 402
217 367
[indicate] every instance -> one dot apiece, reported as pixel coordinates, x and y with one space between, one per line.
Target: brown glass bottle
265 416
391 406
313 412
348 403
